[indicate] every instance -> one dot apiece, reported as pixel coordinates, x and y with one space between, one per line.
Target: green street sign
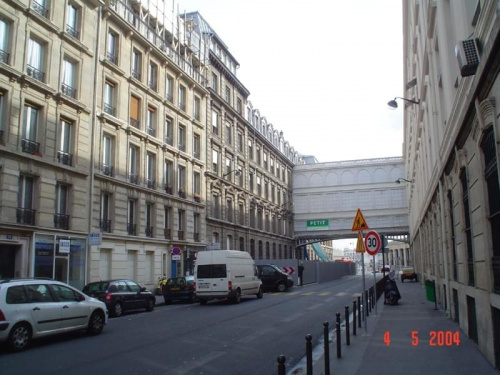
318 224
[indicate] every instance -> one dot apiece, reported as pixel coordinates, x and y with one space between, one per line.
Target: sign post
372 245
358 225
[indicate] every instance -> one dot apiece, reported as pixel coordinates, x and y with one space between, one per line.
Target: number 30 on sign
372 242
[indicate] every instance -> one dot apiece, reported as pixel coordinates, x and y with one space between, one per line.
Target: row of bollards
368 300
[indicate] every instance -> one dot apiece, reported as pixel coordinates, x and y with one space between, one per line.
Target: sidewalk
369 354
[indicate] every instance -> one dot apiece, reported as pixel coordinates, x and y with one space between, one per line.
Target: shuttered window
134 107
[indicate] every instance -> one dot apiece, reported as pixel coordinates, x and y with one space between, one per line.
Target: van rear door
211 278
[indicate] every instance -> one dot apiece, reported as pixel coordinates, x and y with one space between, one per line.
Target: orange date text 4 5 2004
436 338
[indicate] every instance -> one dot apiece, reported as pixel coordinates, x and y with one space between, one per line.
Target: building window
229 210
41 7
3 102
197 186
64 155
215 82
239 176
73 21
170 89
4 41
241 213
467 225
215 161
250 150
136 64
131 217
149 220
30 129
215 122
105 222
169 132
229 135
452 234
61 217
216 206
196 146
196 227
112 51
153 76
197 108
259 188
239 106
135 113
151 171
107 155
228 94
36 57
261 250
109 99
265 161
181 222
133 164
169 177
227 173
250 182
181 181
182 98
182 138
257 155
167 223
151 125
68 86
25 198
252 216
240 142
488 147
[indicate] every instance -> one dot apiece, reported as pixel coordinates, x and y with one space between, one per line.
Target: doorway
8 261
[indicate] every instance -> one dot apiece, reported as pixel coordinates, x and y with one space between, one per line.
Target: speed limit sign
372 242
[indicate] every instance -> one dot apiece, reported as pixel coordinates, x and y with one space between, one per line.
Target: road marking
324 294
308 293
341 294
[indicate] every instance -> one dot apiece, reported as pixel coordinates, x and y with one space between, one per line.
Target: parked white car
230 274
31 308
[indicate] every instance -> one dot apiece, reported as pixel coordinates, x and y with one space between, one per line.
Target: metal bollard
365 305
327 348
309 354
359 311
354 322
339 352
281 365
373 296
370 300
347 333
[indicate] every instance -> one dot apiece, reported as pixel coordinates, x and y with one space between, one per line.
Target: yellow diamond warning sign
359 222
360 244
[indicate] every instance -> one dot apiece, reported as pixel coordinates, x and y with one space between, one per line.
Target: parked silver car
31 308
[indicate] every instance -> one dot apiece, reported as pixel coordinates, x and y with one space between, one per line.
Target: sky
321 71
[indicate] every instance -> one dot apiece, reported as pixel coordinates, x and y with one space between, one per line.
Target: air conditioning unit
467 56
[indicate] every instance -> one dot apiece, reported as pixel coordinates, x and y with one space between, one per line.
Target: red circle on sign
372 242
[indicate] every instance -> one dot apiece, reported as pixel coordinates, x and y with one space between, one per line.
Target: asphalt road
216 339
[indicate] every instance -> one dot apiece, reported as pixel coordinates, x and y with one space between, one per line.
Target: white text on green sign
317 224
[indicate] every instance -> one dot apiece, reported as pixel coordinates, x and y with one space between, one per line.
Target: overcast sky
322 71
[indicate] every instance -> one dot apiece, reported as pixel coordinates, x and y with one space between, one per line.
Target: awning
318 249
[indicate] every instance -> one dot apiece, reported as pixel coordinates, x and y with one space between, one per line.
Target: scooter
391 293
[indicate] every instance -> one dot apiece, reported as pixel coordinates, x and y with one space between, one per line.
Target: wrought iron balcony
169 140
68 90
112 57
44 12
61 221
65 158
131 229
105 225
168 189
4 56
35 73
151 184
196 237
25 216
107 170
149 231
29 146
152 85
133 178
136 75
71 31
180 234
151 131
168 233
135 123
109 110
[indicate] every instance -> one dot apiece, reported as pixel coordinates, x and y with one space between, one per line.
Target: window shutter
134 108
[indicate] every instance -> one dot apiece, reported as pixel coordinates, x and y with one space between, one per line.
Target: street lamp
393 104
403 179
237 173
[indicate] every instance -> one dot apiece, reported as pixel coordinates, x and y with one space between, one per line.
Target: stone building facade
451 65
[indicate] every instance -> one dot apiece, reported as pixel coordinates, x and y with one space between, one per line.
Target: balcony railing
73 32
64 158
109 110
196 237
68 90
131 229
107 170
135 123
25 216
153 86
149 231
35 73
40 9
133 178
182 106
112 57
29 146
168 189
170 98
182 147
61 221
105 225
151 184
196 154
168 233
136 75
182 194
151 131
180 234
169 140
4 56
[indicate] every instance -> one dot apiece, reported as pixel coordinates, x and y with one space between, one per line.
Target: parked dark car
121 295
179 288
273 278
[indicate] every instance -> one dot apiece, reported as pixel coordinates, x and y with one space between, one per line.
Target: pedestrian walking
301 272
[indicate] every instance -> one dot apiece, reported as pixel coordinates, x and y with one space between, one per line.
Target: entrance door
61 269
7 261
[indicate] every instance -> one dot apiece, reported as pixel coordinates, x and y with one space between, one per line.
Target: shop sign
64 246
95 238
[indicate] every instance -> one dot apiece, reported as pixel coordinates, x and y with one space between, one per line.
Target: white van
223 274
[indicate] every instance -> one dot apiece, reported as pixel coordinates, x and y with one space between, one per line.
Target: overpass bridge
326 197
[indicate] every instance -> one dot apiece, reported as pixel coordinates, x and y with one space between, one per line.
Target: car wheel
281 287
150 304
260 294
19 337
237 297
117 309
96 323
